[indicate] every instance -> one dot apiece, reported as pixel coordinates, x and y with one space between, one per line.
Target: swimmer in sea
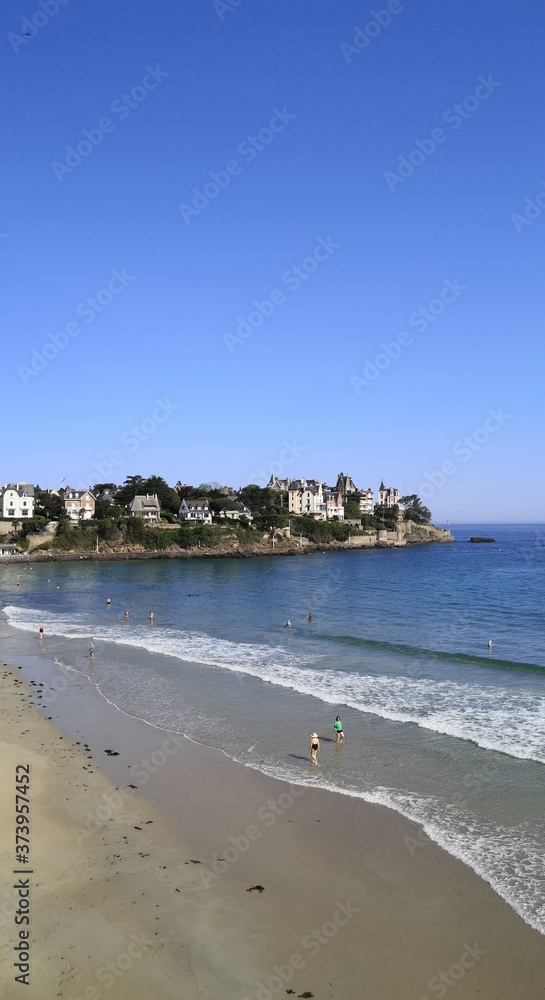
490 643
314 747
108 601
126 616
309 616
151 616
288 624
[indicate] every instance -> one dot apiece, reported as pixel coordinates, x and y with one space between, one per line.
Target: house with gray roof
235 514
147 507
17 500
195 512
79 505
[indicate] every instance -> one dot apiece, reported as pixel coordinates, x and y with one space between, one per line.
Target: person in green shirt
338 726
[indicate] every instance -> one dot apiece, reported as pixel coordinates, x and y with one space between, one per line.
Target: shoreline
282 548
222 828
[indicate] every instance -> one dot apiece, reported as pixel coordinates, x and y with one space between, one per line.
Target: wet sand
194 876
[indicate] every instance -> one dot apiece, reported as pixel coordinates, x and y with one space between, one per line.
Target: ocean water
438 727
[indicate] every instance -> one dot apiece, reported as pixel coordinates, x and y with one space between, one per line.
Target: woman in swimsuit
314 747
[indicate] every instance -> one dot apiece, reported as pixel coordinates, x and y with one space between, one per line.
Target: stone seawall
415 535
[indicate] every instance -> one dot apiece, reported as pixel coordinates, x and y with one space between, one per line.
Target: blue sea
438 727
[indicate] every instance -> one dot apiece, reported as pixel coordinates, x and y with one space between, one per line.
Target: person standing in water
91 650
314 747
338 727
41 635
126 616
309 616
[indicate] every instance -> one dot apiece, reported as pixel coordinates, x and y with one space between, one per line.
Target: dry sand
347 900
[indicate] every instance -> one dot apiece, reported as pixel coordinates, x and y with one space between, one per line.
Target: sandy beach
161 868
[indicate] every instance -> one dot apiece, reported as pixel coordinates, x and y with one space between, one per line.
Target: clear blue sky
200 80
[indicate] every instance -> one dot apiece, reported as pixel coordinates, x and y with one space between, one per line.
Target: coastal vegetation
260 520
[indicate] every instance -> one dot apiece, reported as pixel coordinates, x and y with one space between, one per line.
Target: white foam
494 717
509 859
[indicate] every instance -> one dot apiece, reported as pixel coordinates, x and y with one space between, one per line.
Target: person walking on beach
91 650
314 747
338 727
41 635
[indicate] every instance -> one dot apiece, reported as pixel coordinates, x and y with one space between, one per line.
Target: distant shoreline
423 535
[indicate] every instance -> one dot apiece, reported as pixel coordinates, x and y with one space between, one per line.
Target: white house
8 550
334 505
17 500
235 515
147 507
79 505
367 501
195 511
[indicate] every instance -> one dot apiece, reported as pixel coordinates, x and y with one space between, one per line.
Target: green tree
47 504
386 517
415 509
127 493
352 510
167 497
